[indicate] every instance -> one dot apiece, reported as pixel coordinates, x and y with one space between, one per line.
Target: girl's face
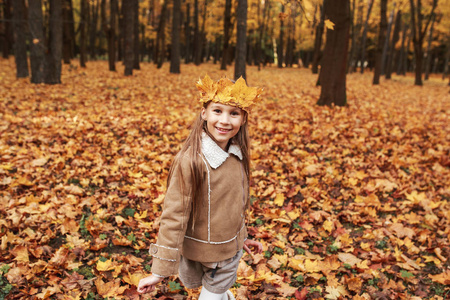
223 121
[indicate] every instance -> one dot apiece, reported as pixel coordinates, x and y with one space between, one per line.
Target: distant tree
160 47
241 42
318 41
364 37
395 37
6 36
334 61
20 43
197 36
136 41
175 51
38 42
92 15
68 31
128 15
52 67
83 22
418 34
280 50
428 52
226 36
381 39
109 27
187 35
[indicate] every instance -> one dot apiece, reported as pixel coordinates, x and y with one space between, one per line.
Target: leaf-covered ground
349 203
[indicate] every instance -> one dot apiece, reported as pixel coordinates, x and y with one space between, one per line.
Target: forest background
350 202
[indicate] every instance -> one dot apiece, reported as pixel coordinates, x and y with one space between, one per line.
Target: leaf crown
227 92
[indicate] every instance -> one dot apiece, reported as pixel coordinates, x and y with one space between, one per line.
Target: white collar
216 155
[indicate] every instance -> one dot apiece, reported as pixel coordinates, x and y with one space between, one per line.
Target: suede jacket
219 229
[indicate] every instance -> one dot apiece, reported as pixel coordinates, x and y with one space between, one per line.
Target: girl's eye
216 110
235 113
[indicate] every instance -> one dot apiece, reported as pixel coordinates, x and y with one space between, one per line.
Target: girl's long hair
193 147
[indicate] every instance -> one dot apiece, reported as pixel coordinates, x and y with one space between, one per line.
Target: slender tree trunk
93 28
280 45
386 47
175 52
334 67
395 38
354 30
227 33
446 63
136 47
418 34
37 45
318 40
52 68
241 43
160 37
128 16
197 37
364 37
114 8
381 39
83 22
428 52
20 44
402 51
8 32
187 35
67 31
203 39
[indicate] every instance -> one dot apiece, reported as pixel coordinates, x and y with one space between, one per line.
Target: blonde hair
193 147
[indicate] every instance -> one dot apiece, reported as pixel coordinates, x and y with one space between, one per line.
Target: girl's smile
223 121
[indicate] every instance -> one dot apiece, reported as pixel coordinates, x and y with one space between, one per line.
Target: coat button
154 250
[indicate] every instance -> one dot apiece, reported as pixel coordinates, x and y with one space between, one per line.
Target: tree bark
364 37
136 47
175 51
83 22
334 66
37 45
52 68
318 40
93 22
280 49
128 15
418 34
227 33
187 35
401 67
428 52
7 40
160 47
67 31
381 39
241 42
395 38
197 37
386 47
20 44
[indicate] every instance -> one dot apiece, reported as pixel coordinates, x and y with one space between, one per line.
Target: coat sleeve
174 219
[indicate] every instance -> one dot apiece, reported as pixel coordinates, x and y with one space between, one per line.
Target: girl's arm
147 284
256 246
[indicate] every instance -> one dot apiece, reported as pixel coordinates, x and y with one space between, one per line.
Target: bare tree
381 38
128 15
175 52
241 42
52 68
226 35
37 37
20 43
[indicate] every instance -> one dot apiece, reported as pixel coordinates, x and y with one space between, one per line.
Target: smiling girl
203 226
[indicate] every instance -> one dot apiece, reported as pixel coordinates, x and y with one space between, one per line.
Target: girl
202 229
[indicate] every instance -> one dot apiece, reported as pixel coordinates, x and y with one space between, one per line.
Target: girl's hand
257 246
147 284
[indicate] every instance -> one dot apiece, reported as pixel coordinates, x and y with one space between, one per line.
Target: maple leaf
329 24
442 278
348 258
110 288
335 292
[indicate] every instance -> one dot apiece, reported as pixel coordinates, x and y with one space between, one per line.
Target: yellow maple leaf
329 24
105 265
279 200
335 292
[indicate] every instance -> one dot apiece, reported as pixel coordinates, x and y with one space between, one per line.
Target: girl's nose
225 119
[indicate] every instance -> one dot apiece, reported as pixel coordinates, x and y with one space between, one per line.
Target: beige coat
220 228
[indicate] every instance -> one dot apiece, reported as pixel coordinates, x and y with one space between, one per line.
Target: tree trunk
114 7
52 68
318 40
160 37
83 22
364 37
67 31
37 45
20 43
386 47
402 54
381 39
418 34
334 66
227 33
7 29
395 38
197 38
203 40
128 15
428 53
136 47
446 62
175 51
241 40
187 35
280 50
93 21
